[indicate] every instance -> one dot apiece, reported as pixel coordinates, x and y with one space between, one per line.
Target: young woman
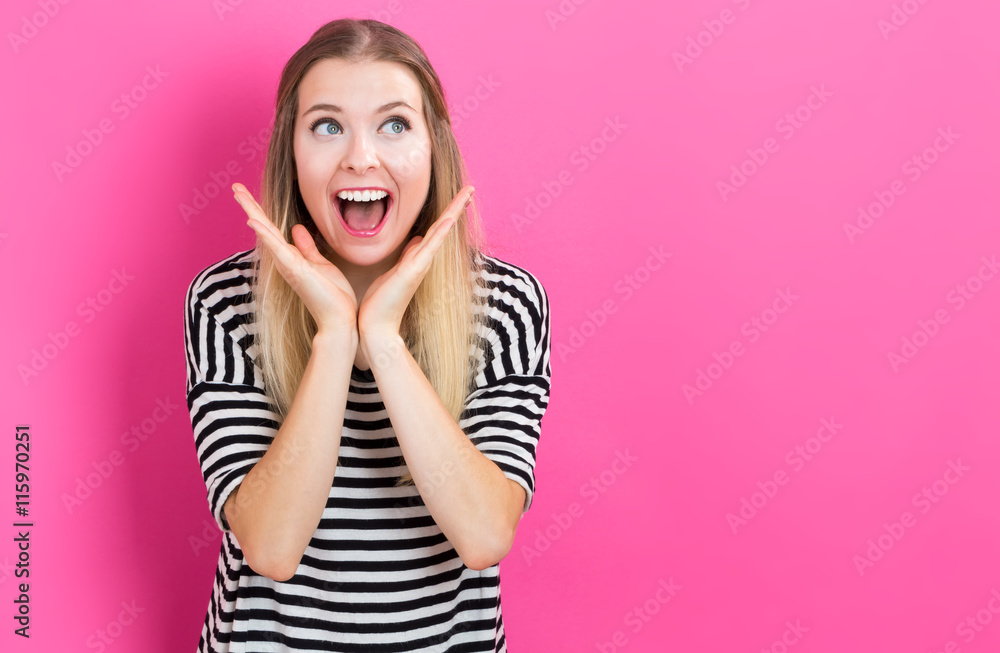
366 385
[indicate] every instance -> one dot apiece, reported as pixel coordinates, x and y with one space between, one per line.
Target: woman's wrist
343 339
381 348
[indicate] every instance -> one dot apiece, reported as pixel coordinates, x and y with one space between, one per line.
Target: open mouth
362 217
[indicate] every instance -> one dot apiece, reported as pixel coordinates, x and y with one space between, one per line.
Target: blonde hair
439 325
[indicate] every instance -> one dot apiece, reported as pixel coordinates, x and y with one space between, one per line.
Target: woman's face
361 126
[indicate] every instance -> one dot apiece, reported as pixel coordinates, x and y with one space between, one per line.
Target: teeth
362 195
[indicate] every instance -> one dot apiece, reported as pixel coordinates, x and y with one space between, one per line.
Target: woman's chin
364 254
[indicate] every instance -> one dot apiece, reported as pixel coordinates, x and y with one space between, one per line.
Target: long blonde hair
439 325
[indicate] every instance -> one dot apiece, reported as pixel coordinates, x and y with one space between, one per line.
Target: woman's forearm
275 510
473 503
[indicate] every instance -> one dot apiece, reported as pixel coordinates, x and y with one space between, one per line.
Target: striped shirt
378 574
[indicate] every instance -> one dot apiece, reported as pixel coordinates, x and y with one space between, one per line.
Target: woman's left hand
381 311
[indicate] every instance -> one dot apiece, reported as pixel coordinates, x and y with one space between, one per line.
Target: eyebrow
389 106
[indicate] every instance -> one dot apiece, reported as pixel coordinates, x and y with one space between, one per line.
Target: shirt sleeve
503 414
232 418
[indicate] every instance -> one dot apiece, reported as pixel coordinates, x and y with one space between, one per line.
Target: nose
361 155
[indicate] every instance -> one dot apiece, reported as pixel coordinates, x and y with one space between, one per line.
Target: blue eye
323 121
402 121
329 121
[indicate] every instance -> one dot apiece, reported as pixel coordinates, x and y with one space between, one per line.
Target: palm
386 299
388 289
334 295
320 284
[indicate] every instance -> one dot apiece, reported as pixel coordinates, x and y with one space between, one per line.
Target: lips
338 208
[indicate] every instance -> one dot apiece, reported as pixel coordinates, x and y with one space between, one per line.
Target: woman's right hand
320 284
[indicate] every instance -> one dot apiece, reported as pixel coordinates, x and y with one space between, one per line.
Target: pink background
827 109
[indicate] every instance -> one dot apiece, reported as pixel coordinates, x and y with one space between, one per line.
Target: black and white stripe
378 574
